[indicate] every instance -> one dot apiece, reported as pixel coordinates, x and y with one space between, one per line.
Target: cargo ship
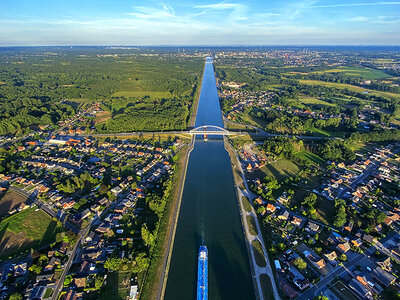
202 274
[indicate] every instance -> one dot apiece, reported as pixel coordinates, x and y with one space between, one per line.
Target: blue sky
178 22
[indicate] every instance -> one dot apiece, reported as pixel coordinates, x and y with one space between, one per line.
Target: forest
45 86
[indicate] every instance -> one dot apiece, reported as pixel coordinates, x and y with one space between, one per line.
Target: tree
343 257
35 269
147 236
310 200
67 280
320 297
98 282
15 296
300 263
112 263
141 263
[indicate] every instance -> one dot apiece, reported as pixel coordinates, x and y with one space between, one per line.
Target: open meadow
27 229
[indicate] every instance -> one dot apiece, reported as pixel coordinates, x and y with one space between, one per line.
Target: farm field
350 87
9 201
365 73
27 229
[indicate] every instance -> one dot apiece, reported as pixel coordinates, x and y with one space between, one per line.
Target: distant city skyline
192 23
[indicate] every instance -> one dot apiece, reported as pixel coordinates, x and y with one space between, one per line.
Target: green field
281 169
350 87
140 93
251 223
258 253
313 100
266 286
311 157
25 230
365 73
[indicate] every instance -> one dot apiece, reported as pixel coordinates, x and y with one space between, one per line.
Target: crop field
102 117
365 73
30 228
350 87
9 201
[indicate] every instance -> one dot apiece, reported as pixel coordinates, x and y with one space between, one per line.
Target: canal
209 214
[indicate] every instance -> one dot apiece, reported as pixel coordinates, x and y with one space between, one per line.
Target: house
80 282
288 289
71 295
349 226
369 239
284 216
383 277
259 201
343 247
330 256
359 289
20 269
37 293
52 263
296 221
385 263
271 208
356 242
312 227
116 190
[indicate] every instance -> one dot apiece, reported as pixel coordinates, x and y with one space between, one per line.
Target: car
369 269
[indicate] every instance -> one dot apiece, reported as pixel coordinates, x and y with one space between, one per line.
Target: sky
210 23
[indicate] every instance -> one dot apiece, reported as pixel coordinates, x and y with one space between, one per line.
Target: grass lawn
318 132
313 100
326 210
311 157
246 204
350 87
258 253
251 223
25 230
281 169
266 287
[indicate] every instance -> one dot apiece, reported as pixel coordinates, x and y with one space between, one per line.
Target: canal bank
209 214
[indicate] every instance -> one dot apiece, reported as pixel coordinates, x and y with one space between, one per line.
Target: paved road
359 260
250 238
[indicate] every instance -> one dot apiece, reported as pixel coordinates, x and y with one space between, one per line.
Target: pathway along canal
209 214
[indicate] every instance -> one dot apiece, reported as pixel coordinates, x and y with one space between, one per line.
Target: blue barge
202 274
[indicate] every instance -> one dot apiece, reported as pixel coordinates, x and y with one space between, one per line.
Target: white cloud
354 4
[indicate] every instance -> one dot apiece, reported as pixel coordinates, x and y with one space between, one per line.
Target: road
60 283
359 260
257 270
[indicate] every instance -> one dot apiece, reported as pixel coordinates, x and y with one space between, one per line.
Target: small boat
205 138
202 274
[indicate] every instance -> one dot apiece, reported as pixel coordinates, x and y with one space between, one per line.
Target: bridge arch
209 129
